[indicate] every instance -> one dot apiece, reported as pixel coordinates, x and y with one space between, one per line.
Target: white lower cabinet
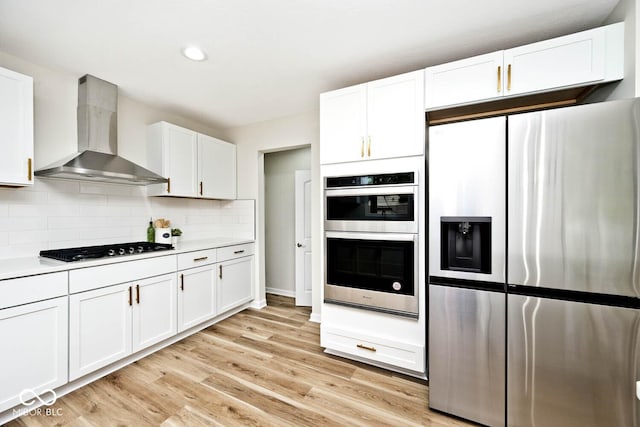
154 311
374 348
34 355
108 324
196 296
235 283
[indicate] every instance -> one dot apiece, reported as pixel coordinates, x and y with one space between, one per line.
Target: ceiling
269 58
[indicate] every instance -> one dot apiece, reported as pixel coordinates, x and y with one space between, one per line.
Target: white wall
629 87
57 213
279 174
275 135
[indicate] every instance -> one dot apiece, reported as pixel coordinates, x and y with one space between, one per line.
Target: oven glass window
386 207
377 265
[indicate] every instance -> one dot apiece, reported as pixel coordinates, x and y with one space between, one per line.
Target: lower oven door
376 271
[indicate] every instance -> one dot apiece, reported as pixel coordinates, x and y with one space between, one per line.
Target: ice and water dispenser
466 244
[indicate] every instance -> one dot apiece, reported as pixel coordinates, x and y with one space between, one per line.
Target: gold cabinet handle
202 258
130 297
182 282
201 188
369 146
509 77
499 78
366 347
30 168
137 294
220 271
168 185
362 147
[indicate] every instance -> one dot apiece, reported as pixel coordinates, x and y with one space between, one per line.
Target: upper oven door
391 209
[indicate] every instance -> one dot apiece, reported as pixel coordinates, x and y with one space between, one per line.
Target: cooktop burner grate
104 251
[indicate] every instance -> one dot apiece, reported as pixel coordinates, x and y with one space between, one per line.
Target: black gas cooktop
104 251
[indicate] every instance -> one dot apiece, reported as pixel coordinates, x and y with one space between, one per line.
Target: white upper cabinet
589 57
16 128
467 80
379 119
216 168
343 124
196 165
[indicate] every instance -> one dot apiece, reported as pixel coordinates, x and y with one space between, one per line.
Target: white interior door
303 237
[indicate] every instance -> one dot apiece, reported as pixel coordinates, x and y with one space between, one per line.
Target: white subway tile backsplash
19 195
114 190
56 186
27 237
60 213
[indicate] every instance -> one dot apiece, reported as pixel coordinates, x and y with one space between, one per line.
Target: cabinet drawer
196 259
85 279
33 288
236 251
376 349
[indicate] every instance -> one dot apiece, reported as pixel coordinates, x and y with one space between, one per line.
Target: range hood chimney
97 158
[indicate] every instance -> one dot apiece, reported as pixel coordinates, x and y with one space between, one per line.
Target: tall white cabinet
196 165
375 120
16 128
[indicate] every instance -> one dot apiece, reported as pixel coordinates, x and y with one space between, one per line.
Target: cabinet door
235 283
196 296
216 168
468 80
343 124
395 116
564 61
154 310
181 155
16 128
99 328
34 355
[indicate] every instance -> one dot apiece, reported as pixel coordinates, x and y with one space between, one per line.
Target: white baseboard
281 292
259 304
315 317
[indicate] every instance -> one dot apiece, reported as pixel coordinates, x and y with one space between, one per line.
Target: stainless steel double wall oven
371 242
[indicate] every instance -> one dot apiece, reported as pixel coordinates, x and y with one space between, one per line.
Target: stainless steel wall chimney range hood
97 158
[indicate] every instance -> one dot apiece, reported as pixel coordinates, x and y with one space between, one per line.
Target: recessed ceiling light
194 53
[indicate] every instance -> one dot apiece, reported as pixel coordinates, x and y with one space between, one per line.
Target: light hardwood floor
259 368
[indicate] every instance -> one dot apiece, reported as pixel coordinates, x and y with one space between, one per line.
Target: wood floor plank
256 368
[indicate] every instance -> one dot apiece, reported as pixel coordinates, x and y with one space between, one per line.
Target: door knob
299 245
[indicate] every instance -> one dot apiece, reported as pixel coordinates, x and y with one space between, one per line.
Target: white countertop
11 268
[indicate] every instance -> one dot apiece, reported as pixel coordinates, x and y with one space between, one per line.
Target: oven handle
398 237
372 191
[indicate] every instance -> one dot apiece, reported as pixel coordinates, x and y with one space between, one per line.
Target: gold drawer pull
30 167
202 258
499 78
168 185
509 77
362 147
366 347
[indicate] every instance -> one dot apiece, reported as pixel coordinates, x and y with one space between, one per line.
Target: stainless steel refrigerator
467 225
572 275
